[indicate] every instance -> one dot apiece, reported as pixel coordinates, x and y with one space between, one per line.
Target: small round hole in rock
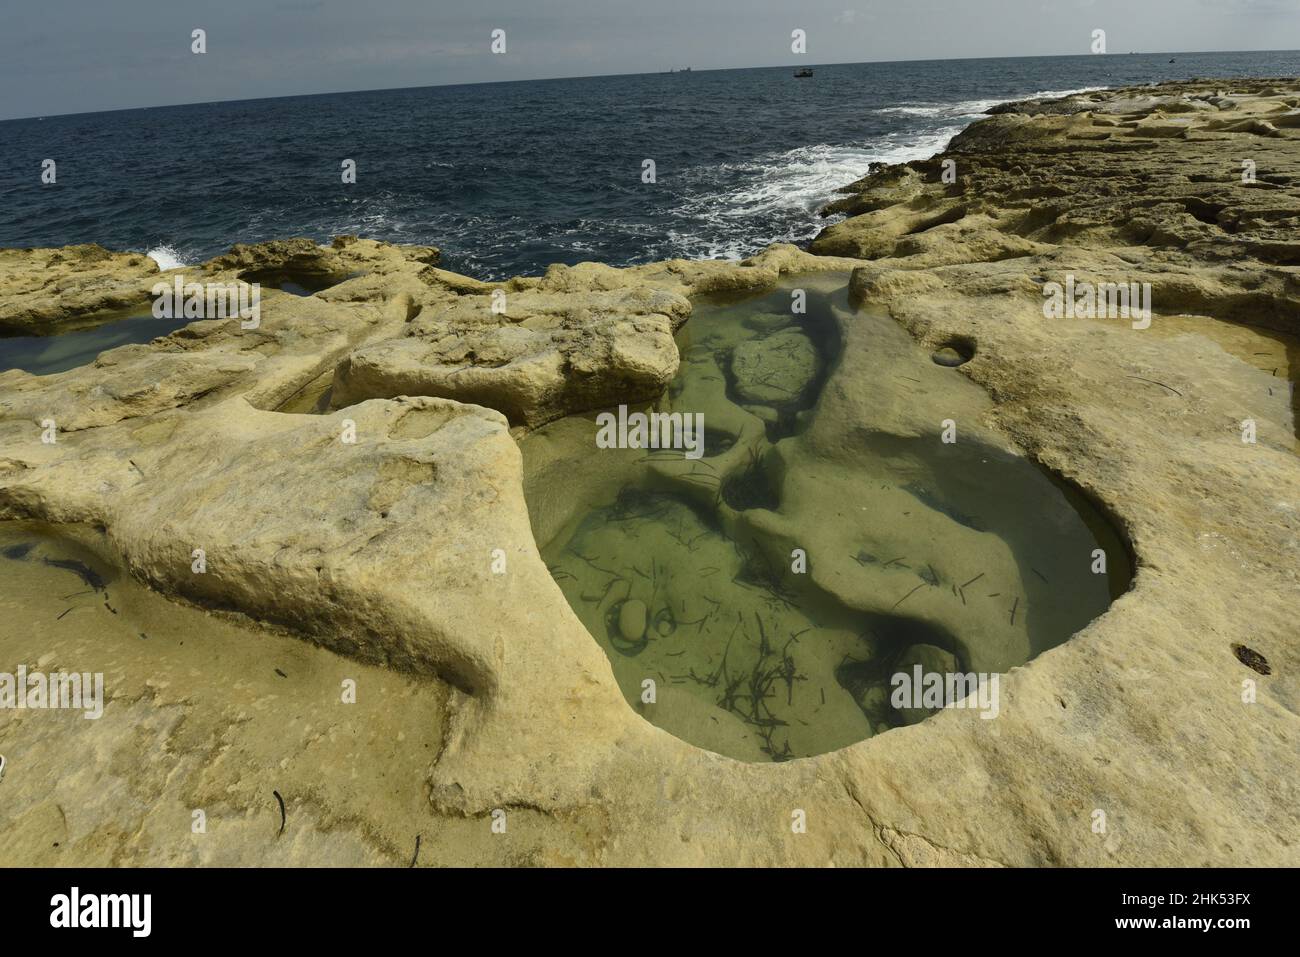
954 353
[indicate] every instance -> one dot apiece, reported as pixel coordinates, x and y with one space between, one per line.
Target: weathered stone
383 550
44 291
932 661
776 369
632 619
768 321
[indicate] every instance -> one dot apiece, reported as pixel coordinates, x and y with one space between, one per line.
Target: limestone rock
931 661
301 255
531 374
775 369
44 291
768 321
383 550
632 619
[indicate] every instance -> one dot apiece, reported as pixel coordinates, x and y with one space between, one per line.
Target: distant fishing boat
805 72
684 69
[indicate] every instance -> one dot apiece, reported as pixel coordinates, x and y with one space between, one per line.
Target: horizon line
598 76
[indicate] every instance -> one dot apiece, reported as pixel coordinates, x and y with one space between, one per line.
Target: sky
73 56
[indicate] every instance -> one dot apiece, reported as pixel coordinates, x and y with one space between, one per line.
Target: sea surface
509 177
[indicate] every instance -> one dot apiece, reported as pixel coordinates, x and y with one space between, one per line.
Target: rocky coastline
1176 713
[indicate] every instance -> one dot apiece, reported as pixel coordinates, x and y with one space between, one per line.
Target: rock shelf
404 559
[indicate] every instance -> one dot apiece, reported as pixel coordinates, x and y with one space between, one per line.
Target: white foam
975 107
1057 94
788 188
166 257
963 108
791 187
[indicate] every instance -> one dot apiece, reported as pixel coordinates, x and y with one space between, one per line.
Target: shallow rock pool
757 597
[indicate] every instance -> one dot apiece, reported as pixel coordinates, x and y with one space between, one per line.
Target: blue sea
509 177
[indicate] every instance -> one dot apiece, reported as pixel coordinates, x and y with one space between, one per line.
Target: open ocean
509 177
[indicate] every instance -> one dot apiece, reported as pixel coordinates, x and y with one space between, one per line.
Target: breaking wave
166 257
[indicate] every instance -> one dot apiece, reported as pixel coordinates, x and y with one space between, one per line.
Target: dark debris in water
80 569
745 694
753 487
17 552
1252 659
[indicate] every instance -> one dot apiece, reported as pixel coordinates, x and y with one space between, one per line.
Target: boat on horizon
805 72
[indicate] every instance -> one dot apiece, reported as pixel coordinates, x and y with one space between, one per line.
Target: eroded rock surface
579 338
1194 188
537 355
777 368
387 548
44 291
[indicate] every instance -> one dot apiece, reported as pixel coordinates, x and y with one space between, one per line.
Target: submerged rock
874 701
932 660
767 321
632 619
765 413
775 369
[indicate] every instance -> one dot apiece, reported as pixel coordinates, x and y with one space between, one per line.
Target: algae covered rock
767 321
775 369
